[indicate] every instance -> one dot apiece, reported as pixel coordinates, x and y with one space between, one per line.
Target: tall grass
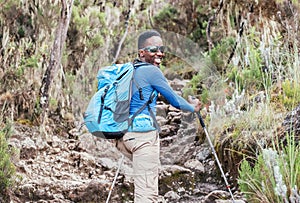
275 176
249 81
261 84
263 61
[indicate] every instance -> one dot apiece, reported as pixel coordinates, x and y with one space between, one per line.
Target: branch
55 56
211 19
124 36
150 19
241 29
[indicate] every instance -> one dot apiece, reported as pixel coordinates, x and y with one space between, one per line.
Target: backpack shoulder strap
136 64
156 125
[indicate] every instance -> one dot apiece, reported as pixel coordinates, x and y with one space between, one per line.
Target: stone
229 201
171 195
291 123
195 165
28 149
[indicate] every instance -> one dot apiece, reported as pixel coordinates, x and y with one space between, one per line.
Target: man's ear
141 53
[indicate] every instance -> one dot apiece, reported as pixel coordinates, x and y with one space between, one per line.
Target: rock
162 110
219 196
170 74
178 84
172 169
171 195
195 165
291 123
108 163
216 194
168 130
41 144
28 149
87 142
187 117
229 201
203 154
161 120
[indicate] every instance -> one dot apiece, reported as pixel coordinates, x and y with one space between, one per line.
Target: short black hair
146 35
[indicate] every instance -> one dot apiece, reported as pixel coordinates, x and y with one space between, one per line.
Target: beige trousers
143 149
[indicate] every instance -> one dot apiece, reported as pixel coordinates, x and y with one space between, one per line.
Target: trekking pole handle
200 119
190 99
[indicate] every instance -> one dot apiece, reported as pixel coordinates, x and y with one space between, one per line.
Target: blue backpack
107 114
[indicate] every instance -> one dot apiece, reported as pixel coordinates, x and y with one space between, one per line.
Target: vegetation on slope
247 71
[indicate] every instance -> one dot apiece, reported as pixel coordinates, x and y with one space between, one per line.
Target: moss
177 180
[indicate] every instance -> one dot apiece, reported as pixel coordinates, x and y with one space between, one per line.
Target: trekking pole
214 152
115 178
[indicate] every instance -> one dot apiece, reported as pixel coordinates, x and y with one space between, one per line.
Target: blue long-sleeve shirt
149 78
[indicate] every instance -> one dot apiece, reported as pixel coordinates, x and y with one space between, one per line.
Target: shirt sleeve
158 81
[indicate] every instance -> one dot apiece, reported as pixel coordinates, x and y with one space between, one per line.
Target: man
141 143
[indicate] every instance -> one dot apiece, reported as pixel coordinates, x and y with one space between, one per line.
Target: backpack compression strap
150 111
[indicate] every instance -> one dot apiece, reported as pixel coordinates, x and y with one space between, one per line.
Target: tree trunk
55 57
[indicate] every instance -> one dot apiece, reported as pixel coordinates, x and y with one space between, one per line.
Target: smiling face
152 51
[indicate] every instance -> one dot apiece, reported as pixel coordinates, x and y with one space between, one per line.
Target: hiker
141 142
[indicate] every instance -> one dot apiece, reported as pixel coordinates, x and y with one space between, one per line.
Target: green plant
7 169
53 103
275 175
168 12
251 76
193 86
219 54
205 96
290 94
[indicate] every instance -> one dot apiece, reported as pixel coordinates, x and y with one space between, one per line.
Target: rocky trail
74 166
61 169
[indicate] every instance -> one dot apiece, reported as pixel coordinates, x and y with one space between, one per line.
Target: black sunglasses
154 49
